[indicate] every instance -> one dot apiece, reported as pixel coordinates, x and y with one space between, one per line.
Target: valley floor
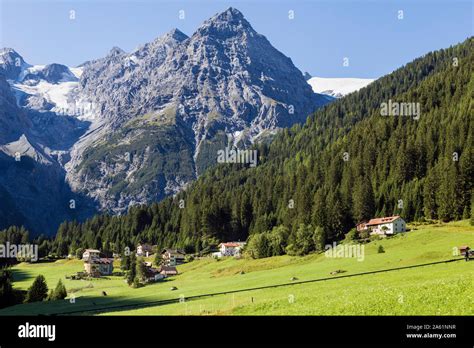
439 289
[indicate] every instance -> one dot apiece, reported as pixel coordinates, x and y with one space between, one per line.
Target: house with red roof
384 226
230 248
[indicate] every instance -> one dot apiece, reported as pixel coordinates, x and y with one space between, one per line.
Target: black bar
259 330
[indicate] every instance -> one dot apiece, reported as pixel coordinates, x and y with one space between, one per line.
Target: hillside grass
442 289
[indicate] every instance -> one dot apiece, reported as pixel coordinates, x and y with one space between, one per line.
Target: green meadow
441 289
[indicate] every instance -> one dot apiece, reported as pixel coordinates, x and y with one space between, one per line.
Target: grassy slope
438 290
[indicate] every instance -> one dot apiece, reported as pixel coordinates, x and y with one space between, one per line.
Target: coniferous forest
315 181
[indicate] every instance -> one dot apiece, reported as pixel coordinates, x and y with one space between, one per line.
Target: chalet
152 274
231 248
144 250
97 267
90 254
172 257
168 271
383 226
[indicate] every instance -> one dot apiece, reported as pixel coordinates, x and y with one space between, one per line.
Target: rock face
52 73
11 63
159 115
33 192
225 85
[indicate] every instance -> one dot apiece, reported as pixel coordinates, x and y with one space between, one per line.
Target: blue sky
321 34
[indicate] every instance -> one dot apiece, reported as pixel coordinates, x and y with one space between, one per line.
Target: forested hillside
315 181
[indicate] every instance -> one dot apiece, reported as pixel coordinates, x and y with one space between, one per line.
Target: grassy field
442 289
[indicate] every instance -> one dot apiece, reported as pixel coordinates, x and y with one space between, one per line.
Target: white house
231 248
385 225
90 254
144 250
172 257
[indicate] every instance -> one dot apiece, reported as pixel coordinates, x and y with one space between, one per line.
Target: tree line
315 181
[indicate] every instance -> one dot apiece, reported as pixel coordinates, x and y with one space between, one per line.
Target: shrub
352 235
79 252
136 283
258 246
380 249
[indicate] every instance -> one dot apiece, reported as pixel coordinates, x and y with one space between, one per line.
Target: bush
158 259
136 283
79 252
266 244
189 258
380 249
352 235
258 246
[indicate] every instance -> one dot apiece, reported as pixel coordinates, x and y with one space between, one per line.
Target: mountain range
314 182
133 128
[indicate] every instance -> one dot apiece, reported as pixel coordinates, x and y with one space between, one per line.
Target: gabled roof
92 250
168 269
172 251
382 220
145 246
103 261
232 244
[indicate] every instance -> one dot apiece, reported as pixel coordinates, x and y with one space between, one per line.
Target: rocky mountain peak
226 85
226 24
11 63
115 51
176 34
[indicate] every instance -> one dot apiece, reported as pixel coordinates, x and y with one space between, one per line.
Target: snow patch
337 87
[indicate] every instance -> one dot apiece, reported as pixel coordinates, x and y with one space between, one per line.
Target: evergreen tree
59 292
141 270
131 275
363 200
125 263
38 291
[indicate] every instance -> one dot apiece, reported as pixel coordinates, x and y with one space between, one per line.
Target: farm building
464 249
144 250
152 274
97 267
172 257
90 254
383 226
168 271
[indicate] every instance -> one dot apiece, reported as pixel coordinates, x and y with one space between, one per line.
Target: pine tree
125 263
141 270
472 210
59 292
38 291
6 288
363 200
